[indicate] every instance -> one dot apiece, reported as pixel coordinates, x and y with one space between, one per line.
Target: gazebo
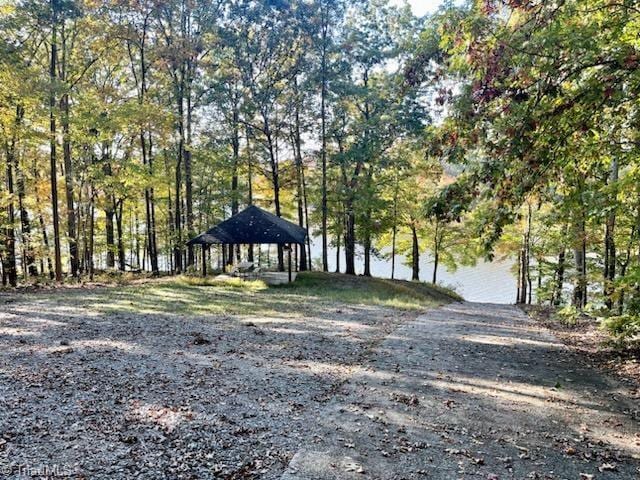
252 226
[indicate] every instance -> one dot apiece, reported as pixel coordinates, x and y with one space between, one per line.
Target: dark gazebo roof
252 226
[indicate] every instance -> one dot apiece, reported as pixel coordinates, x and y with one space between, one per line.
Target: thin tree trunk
519 276
350 239
338 253
367 231
170 255
580 288
91 265
43 229
149 194
528 247
275 180
250 254
300 194
323 119
9 269
557 294
610 244
109 231
52 141
367 241
146 146
25 222
415 254
523 272
118 209
68 185
436 253
235 146
525 280
306 219
188 179
394 231
177 216
366 244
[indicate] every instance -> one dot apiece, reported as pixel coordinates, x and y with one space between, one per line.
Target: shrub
569 315
623 328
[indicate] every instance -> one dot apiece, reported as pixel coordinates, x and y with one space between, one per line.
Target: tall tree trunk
369 175
580 288
367 254
436 252
188 181
525 280
45 242
177 216
9 269
185 129
146 144
5 281
43 228
557 293
28 256
250 253
118 209
170 234
234 250
522 299
300 194
350 238
394 230
109 209
367 242
609 240
150 214
415 254
110 234
305 201
91 239
528 238
519 276
68 186
275 180
323 120
52 140
338 253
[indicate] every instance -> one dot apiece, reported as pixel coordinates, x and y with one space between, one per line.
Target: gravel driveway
341 392
474 391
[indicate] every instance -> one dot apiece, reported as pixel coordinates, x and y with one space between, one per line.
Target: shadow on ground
204 383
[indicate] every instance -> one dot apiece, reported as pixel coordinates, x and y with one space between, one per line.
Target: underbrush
623 329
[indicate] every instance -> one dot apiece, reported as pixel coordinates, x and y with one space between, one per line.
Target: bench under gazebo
252 226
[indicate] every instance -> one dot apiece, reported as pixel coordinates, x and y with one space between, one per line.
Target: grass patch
369 290
309 294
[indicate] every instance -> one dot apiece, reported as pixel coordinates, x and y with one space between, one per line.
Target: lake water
491 282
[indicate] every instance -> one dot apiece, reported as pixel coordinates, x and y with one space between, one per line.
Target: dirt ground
589 340
92 388
341 391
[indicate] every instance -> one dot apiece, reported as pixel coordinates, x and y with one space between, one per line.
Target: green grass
370 291
310 293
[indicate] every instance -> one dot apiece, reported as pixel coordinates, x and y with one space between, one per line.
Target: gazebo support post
205 247
289 262
224 258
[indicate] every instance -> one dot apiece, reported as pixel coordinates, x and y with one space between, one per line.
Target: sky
420 7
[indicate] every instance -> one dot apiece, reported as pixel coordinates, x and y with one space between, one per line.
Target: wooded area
128 127
492 128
